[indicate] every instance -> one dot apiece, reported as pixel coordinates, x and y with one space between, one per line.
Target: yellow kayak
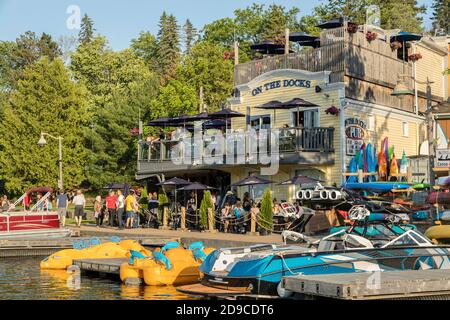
64 258
439 233
172 265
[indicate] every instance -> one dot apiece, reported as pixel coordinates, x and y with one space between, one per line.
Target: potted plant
266 213
414 57
370 36
352 27
163 204
143 200
332 110
206 203
395 45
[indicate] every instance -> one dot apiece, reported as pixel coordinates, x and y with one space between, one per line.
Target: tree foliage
204 206
266 212
86 33
441 16
168 52
48 100
190 35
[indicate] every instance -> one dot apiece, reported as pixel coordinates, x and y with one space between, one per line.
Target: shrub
266 213
143 200
206 203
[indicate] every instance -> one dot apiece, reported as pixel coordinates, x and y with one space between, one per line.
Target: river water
21 279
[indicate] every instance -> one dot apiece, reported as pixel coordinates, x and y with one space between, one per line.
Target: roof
442 108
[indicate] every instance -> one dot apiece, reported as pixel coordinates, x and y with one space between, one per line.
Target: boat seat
115 239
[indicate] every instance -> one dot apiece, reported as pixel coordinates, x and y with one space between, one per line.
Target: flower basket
395 45
332 110
228 55
352 28
414 57
370 36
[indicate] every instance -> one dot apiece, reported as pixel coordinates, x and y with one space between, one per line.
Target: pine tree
168 46
206 203
190 35
266 213
48 100
87 30
441 17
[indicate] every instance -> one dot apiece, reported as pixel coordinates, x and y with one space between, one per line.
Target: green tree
168 52
46 99
146 47
190 35
86 33
441 16
266 213
206 203
206 67
120 87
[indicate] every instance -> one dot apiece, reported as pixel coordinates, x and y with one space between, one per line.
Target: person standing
129 209
26 202
80 202
62 202
98 213
111 205
120 208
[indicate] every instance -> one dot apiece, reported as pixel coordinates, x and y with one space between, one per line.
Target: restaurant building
340 97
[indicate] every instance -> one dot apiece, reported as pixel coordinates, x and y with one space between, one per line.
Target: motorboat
34 223
258 270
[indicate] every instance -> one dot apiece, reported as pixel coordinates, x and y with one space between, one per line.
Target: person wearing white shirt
120 208
80 202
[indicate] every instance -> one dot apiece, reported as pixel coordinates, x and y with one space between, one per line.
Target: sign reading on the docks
355 131
443 158
281 84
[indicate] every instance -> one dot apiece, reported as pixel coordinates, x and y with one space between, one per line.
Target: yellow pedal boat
64 258
172 265
439 233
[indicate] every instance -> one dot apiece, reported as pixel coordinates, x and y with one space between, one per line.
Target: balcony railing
290 140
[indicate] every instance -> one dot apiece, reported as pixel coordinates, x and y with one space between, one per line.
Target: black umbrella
215 123
166 122
274 105
334 23
315 43
226 114
404 37
251 181
266 47
298 103
196 186
174 182
300 180
118 186
301 36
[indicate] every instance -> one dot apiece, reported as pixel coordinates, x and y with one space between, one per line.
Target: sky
121 21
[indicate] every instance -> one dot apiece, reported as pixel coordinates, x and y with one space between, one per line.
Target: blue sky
120 21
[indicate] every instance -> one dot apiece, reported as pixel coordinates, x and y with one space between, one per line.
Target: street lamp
42 142
400 90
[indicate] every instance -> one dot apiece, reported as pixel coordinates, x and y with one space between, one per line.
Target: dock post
210 221
183 218
165 219
253 223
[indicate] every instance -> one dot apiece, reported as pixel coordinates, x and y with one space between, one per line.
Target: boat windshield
409 238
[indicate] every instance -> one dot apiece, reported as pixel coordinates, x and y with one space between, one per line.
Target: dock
410 284
44 247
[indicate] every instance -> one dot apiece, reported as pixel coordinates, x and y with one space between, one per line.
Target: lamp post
42 142
400 90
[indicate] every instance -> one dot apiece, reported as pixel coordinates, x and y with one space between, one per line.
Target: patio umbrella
273 105
118 186
251 181
174 182
266 47
403 37
334 23
215 123
226 114
297 103
315 43
301 36
299 179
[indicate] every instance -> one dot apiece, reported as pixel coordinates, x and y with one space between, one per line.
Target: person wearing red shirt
26 202
111 206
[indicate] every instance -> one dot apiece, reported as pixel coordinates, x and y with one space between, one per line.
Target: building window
405 129
306 119
371 122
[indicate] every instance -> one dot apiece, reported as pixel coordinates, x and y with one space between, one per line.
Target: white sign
443 158
355 132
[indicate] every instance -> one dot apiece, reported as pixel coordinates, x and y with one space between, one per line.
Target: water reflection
21 278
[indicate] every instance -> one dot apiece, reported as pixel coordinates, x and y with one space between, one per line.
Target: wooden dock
411 284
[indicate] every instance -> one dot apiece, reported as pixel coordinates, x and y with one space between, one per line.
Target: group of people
235 212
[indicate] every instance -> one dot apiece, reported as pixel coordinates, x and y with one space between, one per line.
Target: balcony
292 146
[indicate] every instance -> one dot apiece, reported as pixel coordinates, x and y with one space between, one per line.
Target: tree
146 47
441 16
206 67
266 214
168 46
86 30
120 87
190 35
46 99
204 206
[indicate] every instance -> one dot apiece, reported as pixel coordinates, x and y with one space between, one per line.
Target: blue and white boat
258 270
